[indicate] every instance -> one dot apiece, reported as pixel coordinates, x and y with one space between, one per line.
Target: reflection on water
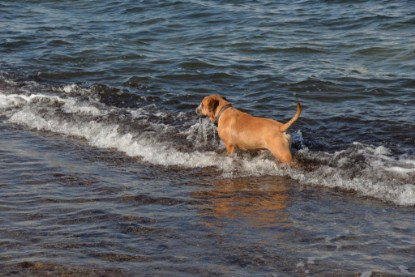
71 210
258 202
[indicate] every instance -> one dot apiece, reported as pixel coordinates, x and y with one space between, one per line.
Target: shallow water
68 208
106 170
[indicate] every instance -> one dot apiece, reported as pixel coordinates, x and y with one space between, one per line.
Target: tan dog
246 132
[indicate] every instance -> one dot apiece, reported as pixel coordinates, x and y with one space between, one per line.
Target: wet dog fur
240 130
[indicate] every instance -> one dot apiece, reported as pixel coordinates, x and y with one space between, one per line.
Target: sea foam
365 169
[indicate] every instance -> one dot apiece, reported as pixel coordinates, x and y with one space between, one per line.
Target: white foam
74 89
375 180
70 88
299 264
108 136
400 170
69 105
7 102
7 80
73 106
384 177
150 150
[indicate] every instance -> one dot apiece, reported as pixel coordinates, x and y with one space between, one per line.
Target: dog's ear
213 105
224 98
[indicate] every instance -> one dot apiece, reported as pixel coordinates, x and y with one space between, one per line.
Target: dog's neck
224 108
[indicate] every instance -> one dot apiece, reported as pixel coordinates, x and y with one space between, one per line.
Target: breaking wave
163 138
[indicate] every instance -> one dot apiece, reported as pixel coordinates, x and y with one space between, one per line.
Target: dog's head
211 105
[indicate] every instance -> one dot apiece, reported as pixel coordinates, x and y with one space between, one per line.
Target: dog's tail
287 125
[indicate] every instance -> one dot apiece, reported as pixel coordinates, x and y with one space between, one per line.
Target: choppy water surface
106 170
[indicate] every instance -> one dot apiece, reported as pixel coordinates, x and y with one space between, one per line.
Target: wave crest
159 138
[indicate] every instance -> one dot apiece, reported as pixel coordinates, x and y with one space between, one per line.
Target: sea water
106 169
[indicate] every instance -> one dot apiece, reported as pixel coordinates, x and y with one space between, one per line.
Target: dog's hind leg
280 149
230 149
282 156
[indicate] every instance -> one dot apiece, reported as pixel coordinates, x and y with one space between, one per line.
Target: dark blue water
105 168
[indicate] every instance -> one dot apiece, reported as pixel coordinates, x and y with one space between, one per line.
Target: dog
240 130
